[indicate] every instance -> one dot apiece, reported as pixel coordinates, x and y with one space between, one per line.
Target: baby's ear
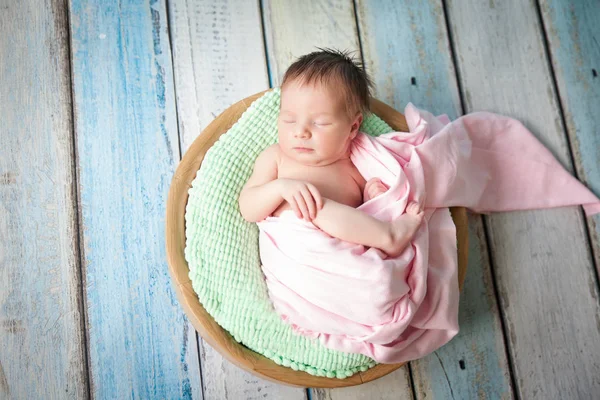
356 125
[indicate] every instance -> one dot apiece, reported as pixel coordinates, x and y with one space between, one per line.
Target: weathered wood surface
541 259
140 345
407 53
295 28
218 59
407 50
42 341
126 147
394 386
573 35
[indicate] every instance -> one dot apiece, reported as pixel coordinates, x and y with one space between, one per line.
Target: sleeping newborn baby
385 287
323 97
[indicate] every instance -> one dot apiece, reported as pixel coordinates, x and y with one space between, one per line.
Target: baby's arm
261 194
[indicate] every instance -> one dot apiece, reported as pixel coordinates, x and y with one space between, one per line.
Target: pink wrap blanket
356 299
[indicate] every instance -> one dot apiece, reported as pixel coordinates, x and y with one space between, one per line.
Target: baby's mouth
303 149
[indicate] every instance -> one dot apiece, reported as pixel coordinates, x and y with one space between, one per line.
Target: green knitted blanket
222 249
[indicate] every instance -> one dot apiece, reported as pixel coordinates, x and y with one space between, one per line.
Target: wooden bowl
210 331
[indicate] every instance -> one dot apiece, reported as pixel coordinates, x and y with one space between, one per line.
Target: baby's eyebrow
313 115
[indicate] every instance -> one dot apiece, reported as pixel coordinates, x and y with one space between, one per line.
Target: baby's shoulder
273 151
356 175
270 155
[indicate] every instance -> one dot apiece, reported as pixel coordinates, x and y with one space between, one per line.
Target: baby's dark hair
329 66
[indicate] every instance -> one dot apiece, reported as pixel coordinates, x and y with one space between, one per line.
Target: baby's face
313 125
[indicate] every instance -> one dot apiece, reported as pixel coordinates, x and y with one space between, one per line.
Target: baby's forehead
332 93
332 85
336 93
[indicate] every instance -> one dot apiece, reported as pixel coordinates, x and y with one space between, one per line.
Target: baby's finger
302 205
373 192
316 195
310 202
294 206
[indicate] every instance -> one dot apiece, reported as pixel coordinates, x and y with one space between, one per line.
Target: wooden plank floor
100 99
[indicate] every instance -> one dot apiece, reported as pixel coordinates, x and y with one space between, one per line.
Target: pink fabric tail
487 162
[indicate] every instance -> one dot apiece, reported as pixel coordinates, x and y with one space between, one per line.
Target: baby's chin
310 159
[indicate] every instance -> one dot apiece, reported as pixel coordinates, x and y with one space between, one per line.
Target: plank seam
358 34
198 339
261 10
457 74
486 235
411 379
79 250
503 317
180 146
173 77
588 228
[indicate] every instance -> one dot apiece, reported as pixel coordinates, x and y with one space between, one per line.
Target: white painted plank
218 59
573 36
140 344
542 263
394 386
218 56
293 29
42 351
223 380
407 51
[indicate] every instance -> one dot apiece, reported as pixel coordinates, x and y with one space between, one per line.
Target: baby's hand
373 188
303 197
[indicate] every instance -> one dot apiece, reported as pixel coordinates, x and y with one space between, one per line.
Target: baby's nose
302 133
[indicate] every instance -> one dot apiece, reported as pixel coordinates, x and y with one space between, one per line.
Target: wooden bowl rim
202 321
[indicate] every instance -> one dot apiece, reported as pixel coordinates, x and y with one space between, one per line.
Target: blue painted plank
140 343
407 53
573 34
42 341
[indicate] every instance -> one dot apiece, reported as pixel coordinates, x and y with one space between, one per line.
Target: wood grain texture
140 344
223 379
42 351
291 30
542 264
407 52
387 387
295 28
218 59
573 35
